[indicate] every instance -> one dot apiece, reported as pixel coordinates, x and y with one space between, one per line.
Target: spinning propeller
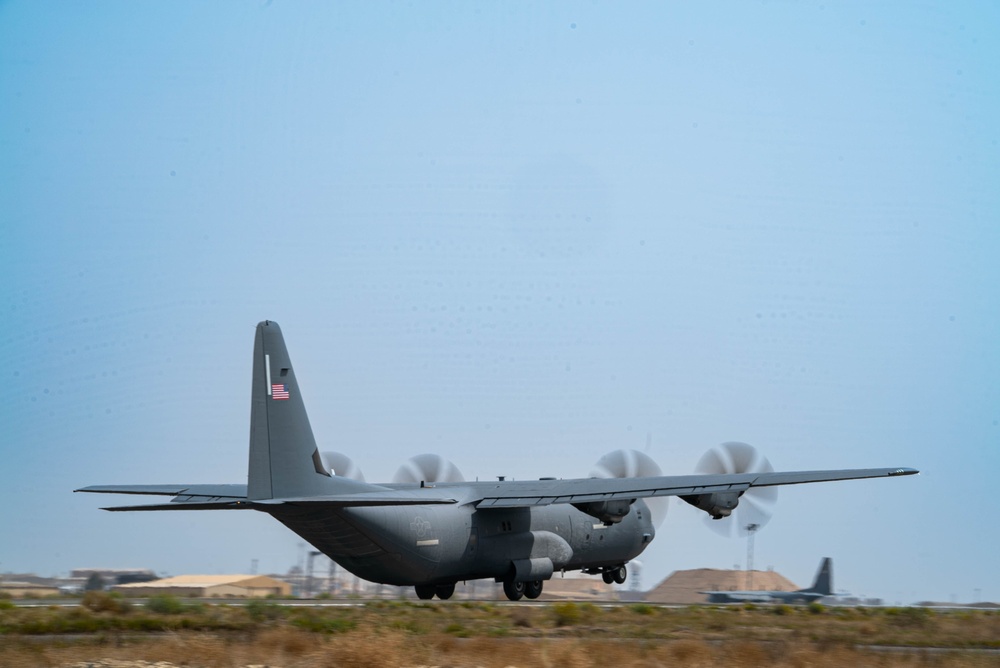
633 464
428 468
339 464
757 503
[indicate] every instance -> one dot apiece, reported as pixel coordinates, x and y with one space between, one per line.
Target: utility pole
309 573
751 530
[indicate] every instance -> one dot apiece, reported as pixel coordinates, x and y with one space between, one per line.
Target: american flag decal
279 391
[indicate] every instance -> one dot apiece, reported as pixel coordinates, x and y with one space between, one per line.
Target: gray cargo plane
430 533
821 586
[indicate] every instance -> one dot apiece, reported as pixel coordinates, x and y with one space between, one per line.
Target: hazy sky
517 235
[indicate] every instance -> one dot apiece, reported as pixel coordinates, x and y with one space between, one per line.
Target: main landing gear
427 592
516 590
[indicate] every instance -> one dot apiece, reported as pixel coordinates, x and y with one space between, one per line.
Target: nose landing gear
616 575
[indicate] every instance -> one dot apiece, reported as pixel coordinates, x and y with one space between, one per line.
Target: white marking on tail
267 370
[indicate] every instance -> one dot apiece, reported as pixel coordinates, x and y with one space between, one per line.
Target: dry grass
303 650
458 635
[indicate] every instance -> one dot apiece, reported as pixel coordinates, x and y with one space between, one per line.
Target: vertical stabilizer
823 584
283 452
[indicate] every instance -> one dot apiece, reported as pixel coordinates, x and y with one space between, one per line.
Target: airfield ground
165 632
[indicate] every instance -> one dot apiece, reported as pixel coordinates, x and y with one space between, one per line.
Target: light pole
309 572
751 530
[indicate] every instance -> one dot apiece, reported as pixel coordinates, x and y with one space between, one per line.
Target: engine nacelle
716 504
609 512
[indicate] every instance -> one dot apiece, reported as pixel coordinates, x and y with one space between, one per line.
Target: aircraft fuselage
419 545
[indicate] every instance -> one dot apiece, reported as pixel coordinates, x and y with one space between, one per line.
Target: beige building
685 587
210 586
26 590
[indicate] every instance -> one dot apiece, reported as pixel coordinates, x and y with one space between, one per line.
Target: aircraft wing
518 494
501 494
361 499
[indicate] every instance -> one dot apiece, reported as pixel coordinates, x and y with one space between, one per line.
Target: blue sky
520 237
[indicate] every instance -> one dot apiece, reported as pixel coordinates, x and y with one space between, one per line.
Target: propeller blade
767 495
753 513
428 468
339 464
633 464
756 504
742 456
712 463
626 464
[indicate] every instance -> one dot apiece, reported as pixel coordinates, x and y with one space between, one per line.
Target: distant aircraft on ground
821 586
429 528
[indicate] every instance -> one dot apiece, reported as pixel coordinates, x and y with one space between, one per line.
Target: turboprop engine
609 512
716 504
755 504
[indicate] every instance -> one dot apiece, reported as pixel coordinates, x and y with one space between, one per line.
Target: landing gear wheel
444 592
619 574
425 592
608 576
533 589
513 590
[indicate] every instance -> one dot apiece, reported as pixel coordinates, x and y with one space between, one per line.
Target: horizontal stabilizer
187 505
232 497
216 491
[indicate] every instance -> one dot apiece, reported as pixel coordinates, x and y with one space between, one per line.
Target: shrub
165 604
315 621
817 608
102 601
908 617
143 623
642 609
261 610
457 630
567 614
782 609
521 617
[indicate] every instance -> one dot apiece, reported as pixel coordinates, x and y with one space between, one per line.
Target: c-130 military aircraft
431 533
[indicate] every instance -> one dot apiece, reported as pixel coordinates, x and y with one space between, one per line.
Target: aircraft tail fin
823 584
284 460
